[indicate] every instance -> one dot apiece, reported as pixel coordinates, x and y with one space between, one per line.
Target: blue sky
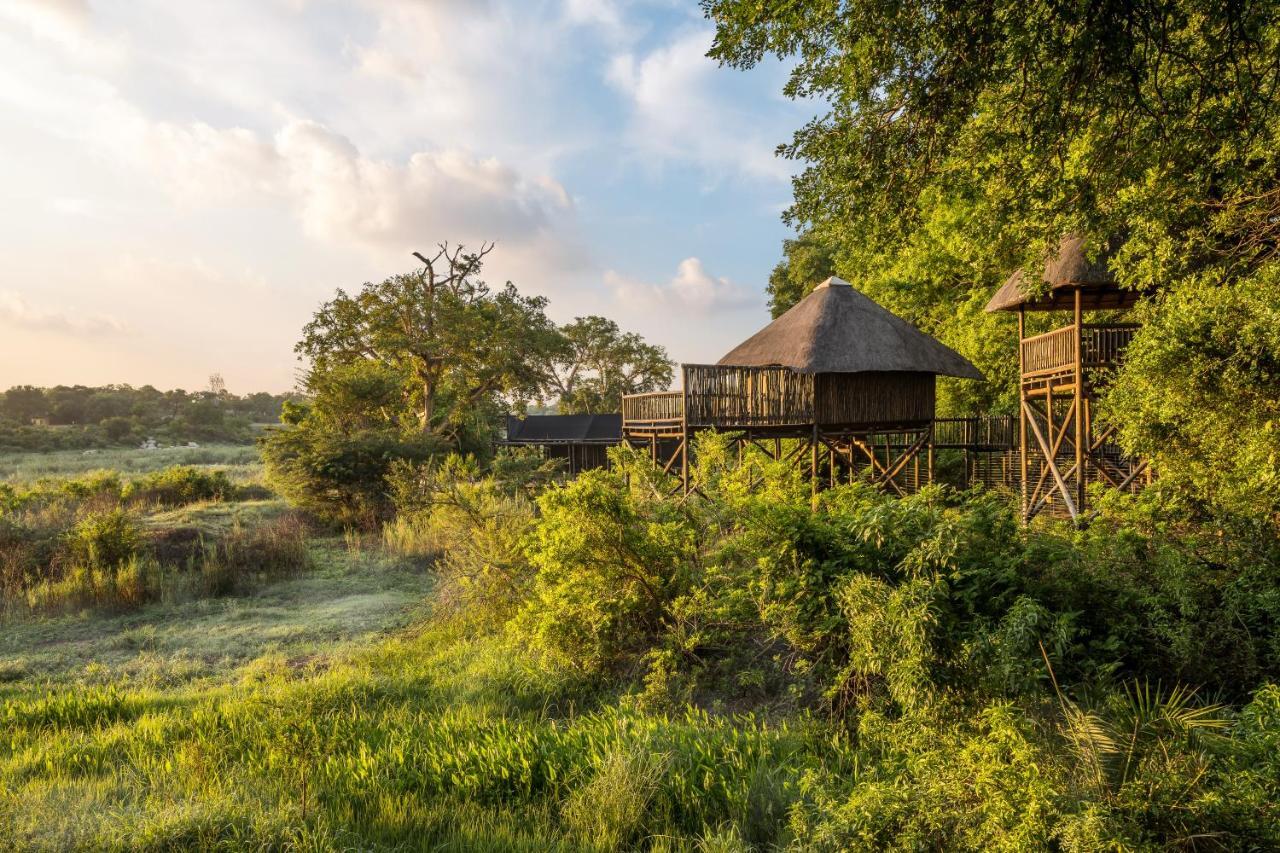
184 183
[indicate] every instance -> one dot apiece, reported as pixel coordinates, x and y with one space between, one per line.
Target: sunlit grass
241 461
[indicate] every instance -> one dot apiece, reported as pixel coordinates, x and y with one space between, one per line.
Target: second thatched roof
835 329
1067 271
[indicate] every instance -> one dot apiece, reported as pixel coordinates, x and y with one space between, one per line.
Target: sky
184 184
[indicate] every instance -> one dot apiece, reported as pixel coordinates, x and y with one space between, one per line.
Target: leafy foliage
954 144
596 364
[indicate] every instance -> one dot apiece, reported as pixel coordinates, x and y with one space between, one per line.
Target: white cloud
340 194
691 288
203 163
603 14
677 114
17 311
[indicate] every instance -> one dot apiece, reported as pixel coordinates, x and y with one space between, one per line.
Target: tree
1157 119
957 142
23 403
806 262
596 364
456 343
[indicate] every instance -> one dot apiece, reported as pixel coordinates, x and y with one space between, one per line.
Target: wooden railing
989 433
1049 352
655 407
1101 345
718 395
1104 345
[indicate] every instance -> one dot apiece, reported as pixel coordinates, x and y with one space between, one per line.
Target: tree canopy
957 142
444 332
598 363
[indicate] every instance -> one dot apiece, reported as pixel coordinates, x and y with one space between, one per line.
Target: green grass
240 460
327 711
342 600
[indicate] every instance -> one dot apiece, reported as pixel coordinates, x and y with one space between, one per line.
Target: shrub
473 524
609 560
104 540
339 476
178 485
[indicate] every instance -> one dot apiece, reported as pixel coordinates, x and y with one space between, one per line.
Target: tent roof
836 329
1064 273
550 429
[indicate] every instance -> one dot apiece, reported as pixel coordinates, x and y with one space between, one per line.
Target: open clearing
344 599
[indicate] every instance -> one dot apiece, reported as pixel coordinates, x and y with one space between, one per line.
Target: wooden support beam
1022 416
1053 469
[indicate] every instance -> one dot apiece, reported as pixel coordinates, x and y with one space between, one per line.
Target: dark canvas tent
581 440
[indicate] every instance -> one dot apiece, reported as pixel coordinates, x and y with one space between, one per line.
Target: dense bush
79 417
473 524
178 485
987 686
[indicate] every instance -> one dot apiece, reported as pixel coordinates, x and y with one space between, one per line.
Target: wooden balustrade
1049 352
656 407
994 432
1100 345
1103 345
719 395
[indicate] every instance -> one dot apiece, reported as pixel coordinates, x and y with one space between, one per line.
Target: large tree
597 363
958 141
457 343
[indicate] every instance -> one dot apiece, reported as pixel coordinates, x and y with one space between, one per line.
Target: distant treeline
123 415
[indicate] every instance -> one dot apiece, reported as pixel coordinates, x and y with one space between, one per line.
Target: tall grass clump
272 549
472 524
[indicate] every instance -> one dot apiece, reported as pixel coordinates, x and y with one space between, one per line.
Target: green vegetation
80 418
430 362
952 145
241 462
433 647
594 665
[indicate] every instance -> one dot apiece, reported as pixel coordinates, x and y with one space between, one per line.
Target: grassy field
320 697
240 460
307 715
343 600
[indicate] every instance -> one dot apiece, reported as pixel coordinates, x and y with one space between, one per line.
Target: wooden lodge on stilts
846 385
1061 371
845 389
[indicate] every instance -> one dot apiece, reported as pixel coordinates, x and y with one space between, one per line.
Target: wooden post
813 464
1079 424
684 453
1022 405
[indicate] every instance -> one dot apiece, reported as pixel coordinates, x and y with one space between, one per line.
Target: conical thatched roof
1068 270
835 329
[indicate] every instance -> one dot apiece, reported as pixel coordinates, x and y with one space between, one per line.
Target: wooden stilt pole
813 464
1079 407
1022 412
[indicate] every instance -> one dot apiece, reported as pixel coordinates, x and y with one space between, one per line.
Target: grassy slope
345 599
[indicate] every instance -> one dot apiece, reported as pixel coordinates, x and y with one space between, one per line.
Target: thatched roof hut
1067 270
836 329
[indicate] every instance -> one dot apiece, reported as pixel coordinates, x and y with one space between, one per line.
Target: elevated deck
778 401
1049 359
